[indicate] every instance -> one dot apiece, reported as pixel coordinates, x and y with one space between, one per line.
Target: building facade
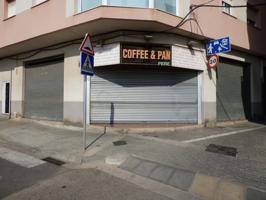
150 61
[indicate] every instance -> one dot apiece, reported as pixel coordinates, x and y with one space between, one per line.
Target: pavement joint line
178 143
221 135
19 158
148 184
167 141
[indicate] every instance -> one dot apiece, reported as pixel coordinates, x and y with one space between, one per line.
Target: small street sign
222 45
86 45
213 61
87 69
86 64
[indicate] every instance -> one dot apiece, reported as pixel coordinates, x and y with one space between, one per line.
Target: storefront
44 86
233 90
144 87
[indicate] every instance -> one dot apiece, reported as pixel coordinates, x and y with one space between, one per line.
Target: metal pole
89 101
85 112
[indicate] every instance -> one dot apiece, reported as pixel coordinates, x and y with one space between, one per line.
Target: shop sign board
160 55
222 45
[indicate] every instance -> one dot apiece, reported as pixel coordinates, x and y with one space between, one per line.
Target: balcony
169 6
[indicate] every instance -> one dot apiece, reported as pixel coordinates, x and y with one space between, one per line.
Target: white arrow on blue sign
87 64
222 45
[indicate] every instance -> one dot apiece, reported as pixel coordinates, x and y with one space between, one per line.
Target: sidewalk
174 159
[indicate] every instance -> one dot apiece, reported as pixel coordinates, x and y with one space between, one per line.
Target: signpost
87 69
222 45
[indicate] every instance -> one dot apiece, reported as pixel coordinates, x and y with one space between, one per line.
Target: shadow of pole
96 139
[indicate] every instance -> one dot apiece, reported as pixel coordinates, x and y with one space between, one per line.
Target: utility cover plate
120 143
229 151
54 161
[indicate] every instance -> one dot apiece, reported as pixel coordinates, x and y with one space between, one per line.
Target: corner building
146 69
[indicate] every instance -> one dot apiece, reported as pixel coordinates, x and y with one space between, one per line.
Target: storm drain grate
229 151
120 143
54 161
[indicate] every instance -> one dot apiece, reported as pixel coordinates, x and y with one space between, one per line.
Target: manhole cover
229 151
54 161
119 143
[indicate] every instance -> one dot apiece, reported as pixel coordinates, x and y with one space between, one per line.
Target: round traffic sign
213 61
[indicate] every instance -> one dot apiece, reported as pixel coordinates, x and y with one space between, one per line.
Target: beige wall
35 27
73 85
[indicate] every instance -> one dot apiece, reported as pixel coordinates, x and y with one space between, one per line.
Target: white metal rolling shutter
44 87
122 94
233 91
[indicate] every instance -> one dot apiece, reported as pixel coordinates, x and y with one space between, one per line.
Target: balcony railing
169 6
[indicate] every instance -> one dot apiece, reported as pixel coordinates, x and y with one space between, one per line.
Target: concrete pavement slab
145 168
116 159
230 191
182 179
130 164
162 173
149 184
205 186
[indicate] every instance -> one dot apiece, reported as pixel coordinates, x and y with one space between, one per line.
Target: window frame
256 22
7 8
34 4
226 8
151 5
80 6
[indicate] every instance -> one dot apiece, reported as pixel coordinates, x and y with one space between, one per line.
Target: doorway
6 98
233 91
264 91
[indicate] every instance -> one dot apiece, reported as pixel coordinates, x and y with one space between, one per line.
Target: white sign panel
189 59
107 55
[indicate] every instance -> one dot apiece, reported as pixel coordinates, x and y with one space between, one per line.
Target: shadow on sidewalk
98 138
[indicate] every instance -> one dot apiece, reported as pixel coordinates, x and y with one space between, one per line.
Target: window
129 3
11 8
88 4
252 16
166 5
226 7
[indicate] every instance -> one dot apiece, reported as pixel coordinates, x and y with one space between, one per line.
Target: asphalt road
14 178
49 182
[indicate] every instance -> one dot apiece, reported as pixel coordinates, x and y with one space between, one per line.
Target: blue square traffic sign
87 64
222 45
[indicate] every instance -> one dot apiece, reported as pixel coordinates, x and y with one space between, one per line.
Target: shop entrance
264 91
5 97
138 94
44 87
233 91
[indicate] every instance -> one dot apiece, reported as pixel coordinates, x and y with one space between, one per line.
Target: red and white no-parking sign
213 61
